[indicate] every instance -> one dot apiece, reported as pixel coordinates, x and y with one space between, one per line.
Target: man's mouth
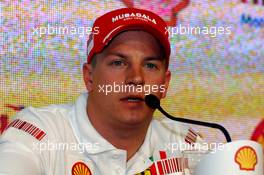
133 98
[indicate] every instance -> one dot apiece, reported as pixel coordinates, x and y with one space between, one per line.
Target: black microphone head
152 101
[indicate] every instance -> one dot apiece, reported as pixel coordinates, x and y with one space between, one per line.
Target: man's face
132 59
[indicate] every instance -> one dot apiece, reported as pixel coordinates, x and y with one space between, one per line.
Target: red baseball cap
107 26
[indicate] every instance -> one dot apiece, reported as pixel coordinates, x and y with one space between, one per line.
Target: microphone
153 102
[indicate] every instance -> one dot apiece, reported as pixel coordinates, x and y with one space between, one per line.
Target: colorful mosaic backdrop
217 78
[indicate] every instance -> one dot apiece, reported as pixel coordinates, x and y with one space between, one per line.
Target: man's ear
87 76
166 84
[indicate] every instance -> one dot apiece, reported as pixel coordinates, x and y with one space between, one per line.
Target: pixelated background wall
215 77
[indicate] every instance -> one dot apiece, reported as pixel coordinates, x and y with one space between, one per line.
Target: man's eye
117 63
151 66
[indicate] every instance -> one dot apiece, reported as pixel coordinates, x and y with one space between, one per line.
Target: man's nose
135 75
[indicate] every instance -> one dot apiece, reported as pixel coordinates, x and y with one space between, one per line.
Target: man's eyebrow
118 54
153 58
148 58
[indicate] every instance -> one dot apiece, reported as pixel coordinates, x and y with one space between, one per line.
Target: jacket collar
84 130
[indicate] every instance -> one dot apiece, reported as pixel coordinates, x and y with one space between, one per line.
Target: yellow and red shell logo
246 158
79 168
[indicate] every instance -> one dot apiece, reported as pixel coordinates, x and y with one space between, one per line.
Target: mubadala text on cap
129 15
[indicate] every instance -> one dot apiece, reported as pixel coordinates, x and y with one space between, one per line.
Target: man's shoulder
32 131
36 124
52 110
47 115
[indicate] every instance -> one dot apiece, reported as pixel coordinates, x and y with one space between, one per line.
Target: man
111 130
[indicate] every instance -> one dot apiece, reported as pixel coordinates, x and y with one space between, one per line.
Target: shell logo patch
246 158
79 168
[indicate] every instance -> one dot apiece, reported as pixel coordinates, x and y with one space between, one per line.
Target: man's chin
136 118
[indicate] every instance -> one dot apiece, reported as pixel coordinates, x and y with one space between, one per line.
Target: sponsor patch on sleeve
28 128
191 137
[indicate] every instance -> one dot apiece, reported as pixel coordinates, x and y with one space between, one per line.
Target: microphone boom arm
213 125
